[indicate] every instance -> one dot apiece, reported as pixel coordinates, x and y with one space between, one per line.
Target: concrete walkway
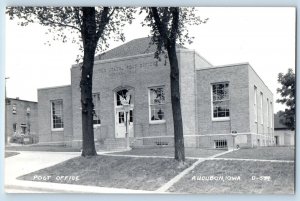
170 183
29 161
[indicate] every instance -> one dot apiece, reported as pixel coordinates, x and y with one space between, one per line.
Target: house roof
21 100
277 124
134 47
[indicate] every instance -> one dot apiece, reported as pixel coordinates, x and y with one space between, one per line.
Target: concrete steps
112 144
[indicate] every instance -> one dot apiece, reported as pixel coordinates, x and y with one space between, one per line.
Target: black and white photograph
150 100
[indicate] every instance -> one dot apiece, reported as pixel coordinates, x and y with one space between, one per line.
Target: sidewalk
29 161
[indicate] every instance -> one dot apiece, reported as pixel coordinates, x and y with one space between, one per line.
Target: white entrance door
121 123
120 115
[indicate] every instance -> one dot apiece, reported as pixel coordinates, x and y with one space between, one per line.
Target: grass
114 171
269 153
281 178
169 151
49 148
9 154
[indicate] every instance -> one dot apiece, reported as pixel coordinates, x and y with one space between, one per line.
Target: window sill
96 126
221 119
157 122
57 129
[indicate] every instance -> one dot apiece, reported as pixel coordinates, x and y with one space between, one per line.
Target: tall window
96 116
261 109
15 127
220 101
157 104
271 116
268 119
28 110
57 115
14 109
255 104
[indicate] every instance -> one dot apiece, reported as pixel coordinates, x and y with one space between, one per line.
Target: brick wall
21 116
259 127
237 76
138 73
46 134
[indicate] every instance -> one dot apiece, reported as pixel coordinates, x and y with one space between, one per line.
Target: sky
264 37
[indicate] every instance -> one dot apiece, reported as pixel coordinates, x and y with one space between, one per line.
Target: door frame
116 110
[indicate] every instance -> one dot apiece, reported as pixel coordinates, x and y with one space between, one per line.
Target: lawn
269 153
169 151
111 171
51 148
281 177
9 154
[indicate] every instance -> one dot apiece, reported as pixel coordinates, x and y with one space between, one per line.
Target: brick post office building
216 101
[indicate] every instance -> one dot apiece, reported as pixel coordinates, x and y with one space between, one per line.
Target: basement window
220 144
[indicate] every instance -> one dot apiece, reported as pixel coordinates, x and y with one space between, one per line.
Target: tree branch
161 29
104 19
77 15
58 23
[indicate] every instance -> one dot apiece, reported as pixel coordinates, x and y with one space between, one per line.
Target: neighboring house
283 136
21 117
216 101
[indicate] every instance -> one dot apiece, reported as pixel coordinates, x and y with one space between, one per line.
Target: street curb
43 187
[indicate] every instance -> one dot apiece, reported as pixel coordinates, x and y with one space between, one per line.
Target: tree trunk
176 107
86 82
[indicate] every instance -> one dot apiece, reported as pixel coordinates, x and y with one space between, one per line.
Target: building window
131 116
261 109
157 104
14 109
124 96
220 144
121 117
23 128
8 102
15 127
28 110
255 104
271 116
96 102
268 119
57 115
220 101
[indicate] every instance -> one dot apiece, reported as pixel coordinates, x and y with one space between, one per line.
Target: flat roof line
55 87
21 100
223 66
